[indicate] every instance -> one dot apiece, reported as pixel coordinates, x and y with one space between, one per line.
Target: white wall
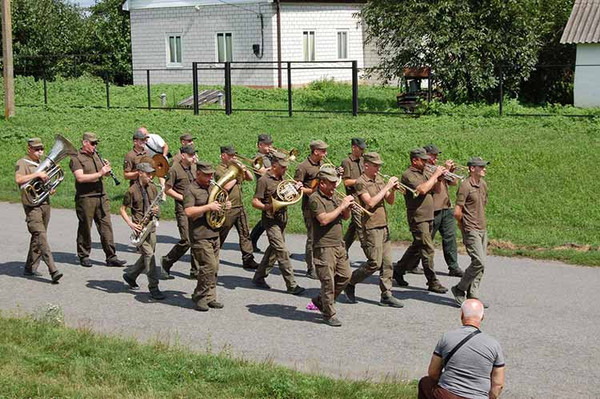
587 78
198 28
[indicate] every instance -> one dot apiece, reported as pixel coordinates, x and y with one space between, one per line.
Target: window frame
307 33
168 36
346 34
225 43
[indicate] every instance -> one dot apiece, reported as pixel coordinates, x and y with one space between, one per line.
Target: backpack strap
461 343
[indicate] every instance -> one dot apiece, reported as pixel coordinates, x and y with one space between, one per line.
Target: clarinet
112 174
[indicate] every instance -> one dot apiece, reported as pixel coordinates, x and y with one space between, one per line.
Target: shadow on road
285 312
173 298
15 269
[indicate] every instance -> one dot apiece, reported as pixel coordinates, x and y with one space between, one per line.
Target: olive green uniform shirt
26 166
353 168
266 187
89 164
199 228
419 209
331 234
472 197
372 186
441 197
134 200
266 158
307 172
235 194
180 177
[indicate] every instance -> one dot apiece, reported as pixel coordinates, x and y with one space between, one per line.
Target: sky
83 3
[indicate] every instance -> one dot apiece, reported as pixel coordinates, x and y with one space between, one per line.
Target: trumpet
292 155
356 206
255 163
450 176
400 186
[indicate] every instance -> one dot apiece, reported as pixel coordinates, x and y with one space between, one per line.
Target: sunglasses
93 142
38 148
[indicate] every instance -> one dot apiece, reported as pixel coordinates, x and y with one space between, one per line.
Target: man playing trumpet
265 147
329 254
139 198
237 214
354 166
419 212
373 193
274 223
36 216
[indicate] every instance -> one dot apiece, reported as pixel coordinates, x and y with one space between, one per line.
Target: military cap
90 136
360 143
318 145
188 149
204 167
139 135
35 142
279 158
432 149
329 174
227 149
419 153
265 138
186 137
145 167
477 161
373 157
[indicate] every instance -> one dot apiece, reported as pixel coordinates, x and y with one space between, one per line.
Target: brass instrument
356 206
292 155
161 165
286 194
149 220
255 163
450 176
403 188
36 190
215 219
112 173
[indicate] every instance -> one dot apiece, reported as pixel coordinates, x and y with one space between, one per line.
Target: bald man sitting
466 362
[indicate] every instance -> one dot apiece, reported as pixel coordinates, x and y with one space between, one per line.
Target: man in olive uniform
419 212
373 193
264 145
181 174
307 174
137 155
443 217
236 216
36 216
91 202
329 254
139 199
469 212
185 139
354 166
274 223
205 240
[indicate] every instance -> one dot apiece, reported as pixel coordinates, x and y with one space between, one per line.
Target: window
174 49
224 47
308 45
342 44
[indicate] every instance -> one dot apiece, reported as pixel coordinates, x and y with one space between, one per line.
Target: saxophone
149 220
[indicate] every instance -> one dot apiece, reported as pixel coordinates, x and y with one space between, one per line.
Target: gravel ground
543 313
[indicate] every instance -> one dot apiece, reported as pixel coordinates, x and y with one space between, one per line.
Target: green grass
45 360
542 183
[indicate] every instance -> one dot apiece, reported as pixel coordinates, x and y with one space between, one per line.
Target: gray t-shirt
469 370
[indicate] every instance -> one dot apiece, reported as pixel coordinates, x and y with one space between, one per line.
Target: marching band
208 203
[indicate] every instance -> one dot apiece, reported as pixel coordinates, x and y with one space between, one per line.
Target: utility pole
7 67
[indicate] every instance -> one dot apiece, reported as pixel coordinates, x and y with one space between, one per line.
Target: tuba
215 219
36 190
149 220
286 194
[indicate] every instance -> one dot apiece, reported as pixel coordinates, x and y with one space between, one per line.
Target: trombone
400 186
292 155
255 163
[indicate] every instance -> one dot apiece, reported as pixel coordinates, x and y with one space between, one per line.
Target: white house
168 35
583 29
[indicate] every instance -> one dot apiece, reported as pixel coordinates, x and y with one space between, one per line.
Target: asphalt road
544 314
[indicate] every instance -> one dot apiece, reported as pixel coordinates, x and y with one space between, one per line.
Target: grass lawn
47 360
541 181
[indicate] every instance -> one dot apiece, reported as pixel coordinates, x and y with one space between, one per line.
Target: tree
464 41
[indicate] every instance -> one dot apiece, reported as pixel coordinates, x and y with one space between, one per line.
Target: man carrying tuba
274 222
36 216
237 215
140 197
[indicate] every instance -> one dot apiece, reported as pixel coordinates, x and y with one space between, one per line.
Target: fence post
355 88
45 88
75 66
289 84
148 88
228 88
501 103
107 93
195 86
